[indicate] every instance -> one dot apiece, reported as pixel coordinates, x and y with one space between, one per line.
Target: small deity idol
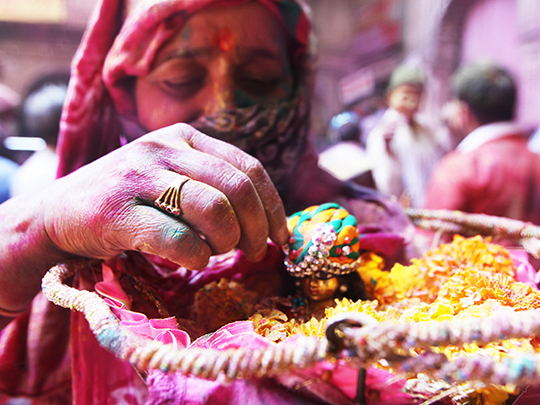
324 255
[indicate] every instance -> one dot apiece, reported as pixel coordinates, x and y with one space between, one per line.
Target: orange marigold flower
466 278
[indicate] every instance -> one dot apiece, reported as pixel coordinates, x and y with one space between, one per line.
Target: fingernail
283 236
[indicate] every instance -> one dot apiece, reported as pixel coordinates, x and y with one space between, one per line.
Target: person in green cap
402 149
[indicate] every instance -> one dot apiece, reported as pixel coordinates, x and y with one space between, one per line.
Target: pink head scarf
115 48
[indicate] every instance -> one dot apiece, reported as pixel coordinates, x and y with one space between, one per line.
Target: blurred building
361 41
38 37
447 33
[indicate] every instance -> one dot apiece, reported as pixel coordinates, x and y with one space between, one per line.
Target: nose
221 90
221 99
313 281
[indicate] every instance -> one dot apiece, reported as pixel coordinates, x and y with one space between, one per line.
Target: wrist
26 253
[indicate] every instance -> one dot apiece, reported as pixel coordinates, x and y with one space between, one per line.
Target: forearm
26 252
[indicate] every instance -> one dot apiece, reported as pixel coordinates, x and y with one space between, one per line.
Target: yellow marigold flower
493 395
463 279
439 311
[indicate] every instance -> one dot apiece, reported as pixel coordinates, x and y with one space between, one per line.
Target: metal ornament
171 198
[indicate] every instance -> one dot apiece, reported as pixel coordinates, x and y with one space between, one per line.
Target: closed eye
184 88
260 86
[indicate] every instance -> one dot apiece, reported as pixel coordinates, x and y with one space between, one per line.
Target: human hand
107 206
388 132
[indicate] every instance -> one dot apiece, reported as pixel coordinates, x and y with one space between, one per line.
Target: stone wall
28 51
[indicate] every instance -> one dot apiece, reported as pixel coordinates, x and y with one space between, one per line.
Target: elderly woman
136 177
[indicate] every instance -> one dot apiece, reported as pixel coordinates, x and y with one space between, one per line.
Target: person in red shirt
491 171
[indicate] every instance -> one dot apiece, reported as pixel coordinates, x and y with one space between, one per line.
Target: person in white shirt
403 150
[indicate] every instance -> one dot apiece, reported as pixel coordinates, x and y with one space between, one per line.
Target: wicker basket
357 339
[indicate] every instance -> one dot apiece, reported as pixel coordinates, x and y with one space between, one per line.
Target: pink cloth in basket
297 387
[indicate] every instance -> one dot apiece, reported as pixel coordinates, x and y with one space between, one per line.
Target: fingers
229 201
269 197
222 203
165 236
206 209
243 181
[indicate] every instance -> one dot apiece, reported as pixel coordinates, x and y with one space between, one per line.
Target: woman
141 69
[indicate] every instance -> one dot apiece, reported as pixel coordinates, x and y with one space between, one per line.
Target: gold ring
170 199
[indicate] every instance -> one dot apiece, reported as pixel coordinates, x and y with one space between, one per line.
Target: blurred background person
372 112
402 149
534 141
40 118
347 159
9 101
491 171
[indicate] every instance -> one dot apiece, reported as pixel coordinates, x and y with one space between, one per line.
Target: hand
389 128
107 206
388 136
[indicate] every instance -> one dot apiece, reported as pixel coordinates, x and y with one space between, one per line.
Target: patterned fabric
275 135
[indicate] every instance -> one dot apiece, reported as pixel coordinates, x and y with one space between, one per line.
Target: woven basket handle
363 343
147 354
525 234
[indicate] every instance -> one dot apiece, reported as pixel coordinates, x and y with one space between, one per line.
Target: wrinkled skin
233 203
107 206
214 63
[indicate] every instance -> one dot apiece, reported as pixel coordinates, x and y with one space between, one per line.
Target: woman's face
222 57
319 288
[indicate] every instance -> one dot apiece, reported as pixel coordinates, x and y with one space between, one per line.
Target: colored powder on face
221 93
224 40
241 99
286 85
285 88
186 33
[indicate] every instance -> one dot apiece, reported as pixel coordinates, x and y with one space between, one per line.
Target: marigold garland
470 277
424 278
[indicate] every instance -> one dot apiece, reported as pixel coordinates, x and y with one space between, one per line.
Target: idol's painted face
319 289
222 57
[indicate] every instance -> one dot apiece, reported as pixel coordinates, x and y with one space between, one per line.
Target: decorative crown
324 238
